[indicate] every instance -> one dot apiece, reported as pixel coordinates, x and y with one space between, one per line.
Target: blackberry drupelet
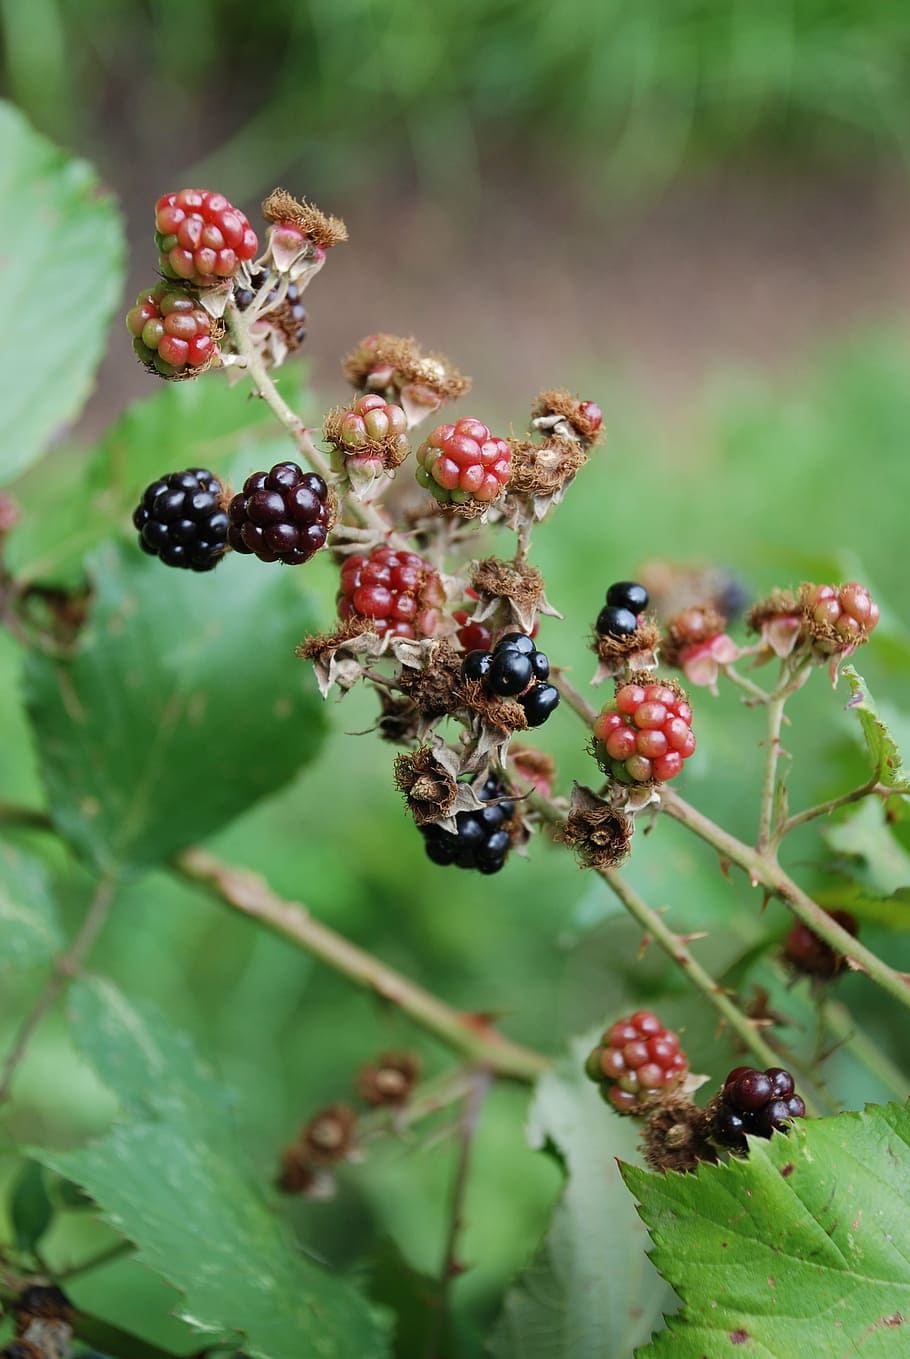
756 1102
280 516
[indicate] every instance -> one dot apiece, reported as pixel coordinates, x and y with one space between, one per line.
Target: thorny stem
674 945
755 691
451 1266
469 1034
825 808
766 826
66 967
764 870
430 1097
367 515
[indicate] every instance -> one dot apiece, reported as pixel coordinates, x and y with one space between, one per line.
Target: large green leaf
591 1292
801 1249
204 423
29 930
172 1179
181 705
883 750
61 270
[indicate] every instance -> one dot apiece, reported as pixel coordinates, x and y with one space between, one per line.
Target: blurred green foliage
622 93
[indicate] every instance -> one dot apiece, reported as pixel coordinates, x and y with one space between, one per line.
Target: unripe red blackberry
181 519
463 462
637 1062
399 591
838 618
172 334
482 840
371 419
283 515
811 955
754 1102
202 238
644 734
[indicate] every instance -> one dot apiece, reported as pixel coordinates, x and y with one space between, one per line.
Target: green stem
466 1033
766 822
764 870
825 808
367 515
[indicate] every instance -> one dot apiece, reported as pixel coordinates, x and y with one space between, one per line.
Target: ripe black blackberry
626 599
181 519
756 1102
482 841
283 515
515 669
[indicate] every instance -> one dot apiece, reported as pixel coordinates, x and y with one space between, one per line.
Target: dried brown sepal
389 1080
464 509
336 656
329 1135
690 627
778 621
434 688
430 790
41 1302
320 644
390 451
599 833
382 362
677 1137
509 593
561 405
505 715
295 1171
322 229
616 655
399 719
543 469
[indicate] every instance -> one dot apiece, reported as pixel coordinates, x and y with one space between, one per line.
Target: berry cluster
626 599
398 591
171 332
848 611
809 954
645 733
202 237
481 841
372 420
515 669
636 1062
756 1102
283 515
181 519
463 462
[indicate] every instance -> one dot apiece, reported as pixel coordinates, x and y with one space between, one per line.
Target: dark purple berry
510 673
516 641
627 594
180 520
281 515
476 664
540 664
612 622
781 1082
750 1091
538 703
756 1102
481 841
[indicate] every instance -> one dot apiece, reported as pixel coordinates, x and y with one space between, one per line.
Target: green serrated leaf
886 758
591 1291
801 1249
29 930
61 270
181 706
171 1179
892 909
31 1210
